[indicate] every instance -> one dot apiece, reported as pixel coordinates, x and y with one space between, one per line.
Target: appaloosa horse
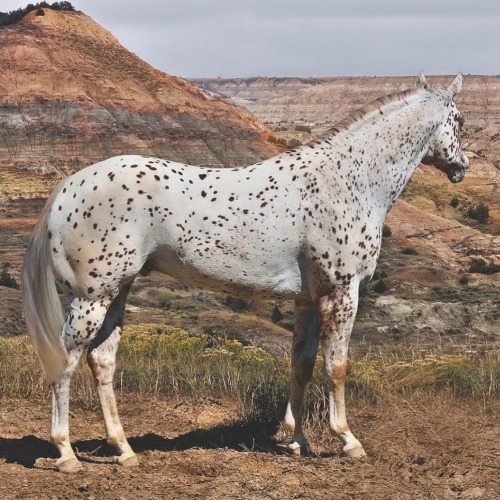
305 225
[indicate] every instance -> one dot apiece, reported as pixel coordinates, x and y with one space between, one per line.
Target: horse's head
444 150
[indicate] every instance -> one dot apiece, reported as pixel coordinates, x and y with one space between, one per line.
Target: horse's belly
256 279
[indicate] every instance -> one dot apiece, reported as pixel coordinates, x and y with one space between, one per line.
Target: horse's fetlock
58 439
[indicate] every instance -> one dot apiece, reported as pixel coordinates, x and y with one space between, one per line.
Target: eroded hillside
70 94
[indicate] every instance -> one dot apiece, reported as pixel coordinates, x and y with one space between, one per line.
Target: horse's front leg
304 350
337 313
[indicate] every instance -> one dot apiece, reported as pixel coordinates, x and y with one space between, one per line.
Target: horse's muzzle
456 173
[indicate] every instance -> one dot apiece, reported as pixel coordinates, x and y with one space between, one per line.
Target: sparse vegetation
380 287
294 143
161 360
479 212
409 251
480 266
454 202
303 128
7 280
463 280
386 231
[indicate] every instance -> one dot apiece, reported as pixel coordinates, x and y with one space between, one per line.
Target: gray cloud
211 38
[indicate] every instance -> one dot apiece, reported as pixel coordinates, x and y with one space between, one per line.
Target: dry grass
161 360
410 372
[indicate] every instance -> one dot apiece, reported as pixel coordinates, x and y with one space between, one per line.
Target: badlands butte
71 95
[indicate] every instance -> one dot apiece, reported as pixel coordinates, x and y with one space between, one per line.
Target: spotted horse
305 225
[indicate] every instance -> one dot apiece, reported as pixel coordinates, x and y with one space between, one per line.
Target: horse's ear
456 85
421 81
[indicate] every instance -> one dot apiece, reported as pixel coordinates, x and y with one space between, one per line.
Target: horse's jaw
454 171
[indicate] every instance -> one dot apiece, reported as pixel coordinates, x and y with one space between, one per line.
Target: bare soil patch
192 449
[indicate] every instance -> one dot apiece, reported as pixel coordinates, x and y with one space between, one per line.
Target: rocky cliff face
323 101
70 94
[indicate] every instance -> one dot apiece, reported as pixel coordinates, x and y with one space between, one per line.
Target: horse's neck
378 156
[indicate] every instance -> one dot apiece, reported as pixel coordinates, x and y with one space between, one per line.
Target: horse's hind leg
83 321
101 359
59 432
304 350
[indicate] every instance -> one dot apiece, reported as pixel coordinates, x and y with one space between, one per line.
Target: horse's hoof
294 448
298 449
128 461
68 466
355 452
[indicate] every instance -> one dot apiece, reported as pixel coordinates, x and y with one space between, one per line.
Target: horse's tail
42 307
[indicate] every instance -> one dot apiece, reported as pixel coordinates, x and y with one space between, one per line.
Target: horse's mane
360 114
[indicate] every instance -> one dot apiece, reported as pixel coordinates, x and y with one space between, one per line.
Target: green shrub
479 212
294 143
303 128
409 251
380 287
276 315
165 304
463 280
386 231
236 304
7 280
479 266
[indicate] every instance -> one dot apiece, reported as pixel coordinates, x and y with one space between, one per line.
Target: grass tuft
167 361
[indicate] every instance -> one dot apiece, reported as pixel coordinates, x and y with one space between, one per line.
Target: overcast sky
239 38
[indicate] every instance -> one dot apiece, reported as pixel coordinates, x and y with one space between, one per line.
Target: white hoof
68 466
294 448
355 451
127 460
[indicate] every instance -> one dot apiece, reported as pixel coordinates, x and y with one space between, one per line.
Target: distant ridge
322 101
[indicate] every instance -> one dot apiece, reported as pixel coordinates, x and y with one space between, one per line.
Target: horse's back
215 228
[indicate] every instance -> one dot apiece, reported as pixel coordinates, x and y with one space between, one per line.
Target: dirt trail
194 449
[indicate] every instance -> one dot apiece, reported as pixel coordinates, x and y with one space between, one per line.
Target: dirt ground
195 449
